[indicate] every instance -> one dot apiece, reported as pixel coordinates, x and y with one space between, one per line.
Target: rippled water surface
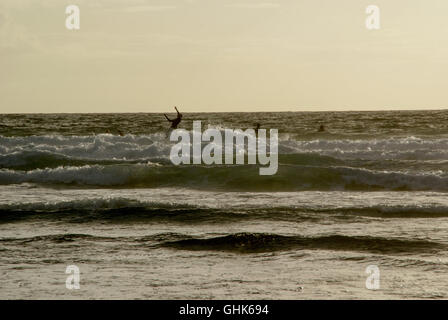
99 192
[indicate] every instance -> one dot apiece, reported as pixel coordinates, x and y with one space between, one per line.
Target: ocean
98 191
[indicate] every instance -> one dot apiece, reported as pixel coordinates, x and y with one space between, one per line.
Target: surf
229 178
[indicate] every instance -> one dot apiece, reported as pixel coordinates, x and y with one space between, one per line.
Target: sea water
371 190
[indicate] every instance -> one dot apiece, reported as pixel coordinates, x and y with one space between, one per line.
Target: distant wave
229 178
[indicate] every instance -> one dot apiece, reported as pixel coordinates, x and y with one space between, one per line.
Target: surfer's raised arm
167 118
174 122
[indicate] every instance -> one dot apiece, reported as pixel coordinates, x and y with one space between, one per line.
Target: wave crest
229 177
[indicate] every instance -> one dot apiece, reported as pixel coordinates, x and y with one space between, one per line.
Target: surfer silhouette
174 122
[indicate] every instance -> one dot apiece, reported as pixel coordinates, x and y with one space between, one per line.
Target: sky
222 55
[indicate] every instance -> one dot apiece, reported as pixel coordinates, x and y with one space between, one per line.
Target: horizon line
265 111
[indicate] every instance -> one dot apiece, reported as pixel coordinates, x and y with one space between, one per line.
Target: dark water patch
389 211
261 242
122 210
57 238
245 243
164 214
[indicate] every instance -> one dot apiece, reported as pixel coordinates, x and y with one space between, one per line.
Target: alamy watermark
373 18
222 144
373 280
72 281
72 21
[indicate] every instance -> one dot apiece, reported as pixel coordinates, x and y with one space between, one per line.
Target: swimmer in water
321 128
174 122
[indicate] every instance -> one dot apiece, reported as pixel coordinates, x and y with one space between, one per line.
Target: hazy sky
222 55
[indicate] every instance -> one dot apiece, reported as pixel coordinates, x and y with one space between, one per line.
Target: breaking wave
229 177
157 145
